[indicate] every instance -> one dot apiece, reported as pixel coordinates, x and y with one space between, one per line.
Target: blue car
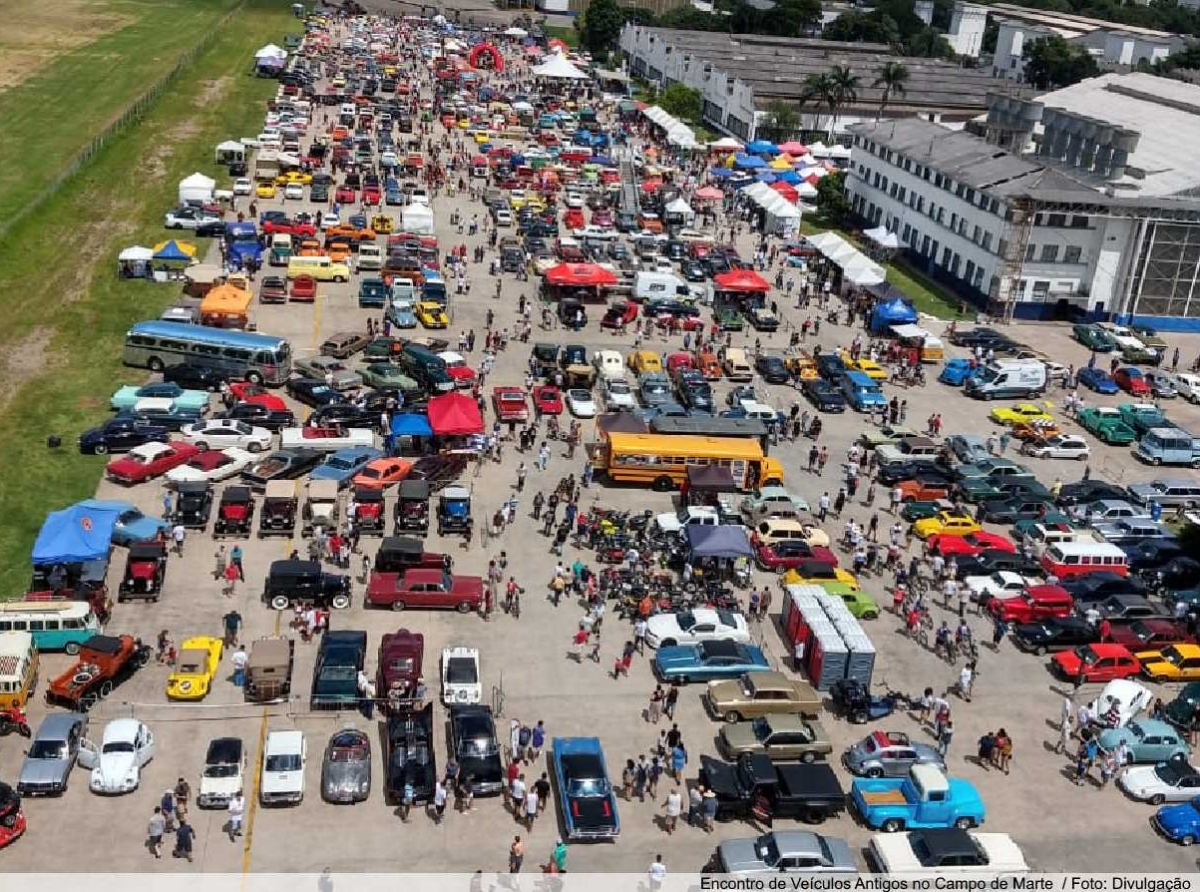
956 372
707 660
132 524
1179 823
589 805
1097 380
345 463
402 315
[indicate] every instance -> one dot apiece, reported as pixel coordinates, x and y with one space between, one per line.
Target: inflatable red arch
495 60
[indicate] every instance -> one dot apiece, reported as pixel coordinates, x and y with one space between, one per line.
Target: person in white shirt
531 808
237 811
658 871
674 806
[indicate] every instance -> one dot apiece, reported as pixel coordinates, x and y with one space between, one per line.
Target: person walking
406 801
439 802
184 836
531 809
178 534
669 702
944 738
558 856
237 812
1004 748
221 561
516 855
674 807
235 558
154 832
232 622
966 680
657 873
654 711
522 471
239 661
679 759
519 791
542 788
537 740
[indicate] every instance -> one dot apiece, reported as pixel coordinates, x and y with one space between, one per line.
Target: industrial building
1084 202
739 75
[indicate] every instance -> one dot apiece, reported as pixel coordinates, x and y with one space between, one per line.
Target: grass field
66 311
71 67
569 36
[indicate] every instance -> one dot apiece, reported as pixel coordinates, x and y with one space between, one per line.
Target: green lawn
49 118
569 36
67 312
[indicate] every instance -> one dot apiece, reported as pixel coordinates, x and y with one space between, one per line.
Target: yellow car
535 203
431 314
946 522
1176 662
264 190
836 574
383 224
199 660
294 176
1025 412
641 361
872 370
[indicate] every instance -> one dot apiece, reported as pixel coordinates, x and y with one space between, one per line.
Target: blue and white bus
434 288
1169 446
258 358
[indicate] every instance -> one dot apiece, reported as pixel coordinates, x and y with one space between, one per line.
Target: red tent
454 415
786 191
741 280
580 274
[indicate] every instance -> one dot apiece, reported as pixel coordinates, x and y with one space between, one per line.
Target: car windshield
461 670
768 852
119 746
762 728
1172 772
222 770
283 762
48 749
479 746
685 620
339 673
348 754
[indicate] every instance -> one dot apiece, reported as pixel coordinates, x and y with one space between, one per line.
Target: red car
1132 381
304 289
149 460
547 400
425 588
510 404
371 196
617 317
1150 634
603 217
345 195
401 655
284 226
679 362
1097 662
382 473
573 219
1036 603
947 544
12 819
456 367
791 553
245 392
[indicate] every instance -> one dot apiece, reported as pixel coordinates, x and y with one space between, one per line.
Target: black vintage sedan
772 369
824 395
438 470
410 756
473 742
1054 633
314 392
261 416
121 435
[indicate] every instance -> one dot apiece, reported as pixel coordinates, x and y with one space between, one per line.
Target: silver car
888 754
967 448
346 768
52 755
344 378
786 851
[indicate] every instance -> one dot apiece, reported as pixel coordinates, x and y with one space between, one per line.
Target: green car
1022 528
1140 355
1107 425
914 511
1151 338
1143 416
860 604
385 376
887 435
382 349
1094 338
728 319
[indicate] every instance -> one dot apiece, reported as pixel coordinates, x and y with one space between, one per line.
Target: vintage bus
662 461
18 669
1067 559
258 358
54 625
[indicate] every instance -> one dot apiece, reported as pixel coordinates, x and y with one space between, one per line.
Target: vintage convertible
325 438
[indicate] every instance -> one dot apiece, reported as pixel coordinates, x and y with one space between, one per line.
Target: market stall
577 281
196 189
134 263
454 415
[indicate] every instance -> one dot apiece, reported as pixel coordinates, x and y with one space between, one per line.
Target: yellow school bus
662 461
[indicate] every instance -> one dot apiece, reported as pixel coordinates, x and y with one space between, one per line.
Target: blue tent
721 173
765 176
748 161
718 542
601 159
762 147
411 425
790 177
172 251
892 312
76 534
516 160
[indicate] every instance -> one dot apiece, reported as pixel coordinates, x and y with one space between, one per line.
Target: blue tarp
790 177
172 251
748 161
76 534
765 176
411 425
892 312
718 542
721 173
762 147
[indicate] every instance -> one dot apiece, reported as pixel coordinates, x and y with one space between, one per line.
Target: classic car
1173 780
346 767
381 473
304 289
1094 338
474 746
194 401
1143 416
547 400
341 466
388 376
340 658
785 851
1054 633
780 737
1146 740
772 369
587 798
814 572
400 313
642 361
1059 446
946 851
1106 423
947 523
116 764
707 660
313 392
197 665
150 460
1132 381
304 582
282 464
431 314
581 403
792 554
889 754
510 404
1032 604
459 369
1150 634
284 755
886 435
424 588
923 489
52 754
323 367
324 438
760 694
1179 823
400 660
967 448
947 544
438 470
410 758
1176 662
1097 379
223 774
257 414
1096 662
1026 412
219 433
121 435
693 625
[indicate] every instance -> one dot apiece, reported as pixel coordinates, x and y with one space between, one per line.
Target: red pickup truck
510 404
425 588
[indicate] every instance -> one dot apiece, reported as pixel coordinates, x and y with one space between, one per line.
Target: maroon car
790 554
1150 634
401 655
425 588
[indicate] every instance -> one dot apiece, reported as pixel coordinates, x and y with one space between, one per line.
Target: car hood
346 779
739 856
739 736
1179 818
221 786
721 777
43 771
663 624
1141 780
282 781
113 768
678 657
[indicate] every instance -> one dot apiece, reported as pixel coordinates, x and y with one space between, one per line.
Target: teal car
1107 424
1146 740
708 660
1022 528
185 402
1094 338
373 293
385 376
914 511
1143 416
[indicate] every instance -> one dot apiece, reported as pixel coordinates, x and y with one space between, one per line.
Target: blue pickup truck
925 798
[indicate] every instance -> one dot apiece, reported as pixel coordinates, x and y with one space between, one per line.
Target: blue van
1168 446
862 391
434 288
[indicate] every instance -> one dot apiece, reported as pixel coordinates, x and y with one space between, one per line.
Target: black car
340 658
410 757
165 417
347 414
1010 510
121 435
892 474
473 743
830 367
437 470
1179 573
1092 587
977 337
1148 555
282 464
993 560
697 397
1084 491
1054 633
193 505
824 395
318 192
261 416
313 392
305 582
212 229
772 369
692 271
671 308
195 377
1123 608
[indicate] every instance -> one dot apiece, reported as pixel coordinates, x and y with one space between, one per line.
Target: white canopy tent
230 150
781 216
818 150
680 208
271 51
855 265
516 32
839 151
806 190
678 133
725 144
197 187
417 218
883 237
559 67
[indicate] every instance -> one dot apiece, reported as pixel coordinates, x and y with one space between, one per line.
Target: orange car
345 230
917 490
708 365
310 248
339 252
1035 430
382 473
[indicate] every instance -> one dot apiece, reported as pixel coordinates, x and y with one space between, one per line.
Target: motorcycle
14 719
855 702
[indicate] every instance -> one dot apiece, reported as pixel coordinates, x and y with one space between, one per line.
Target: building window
1056 220
1079 222
978 277
975 235
987 241
925 246
920 204
1049 253
1072 254
970 270
941 215
1040 290
954 264
907 230
946 257
954 221
1029 251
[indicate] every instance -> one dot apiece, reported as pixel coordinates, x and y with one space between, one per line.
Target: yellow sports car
265 190
641 361
1026 412
946 522
294 176
871 369
431 314
199 659
828 574
1176 662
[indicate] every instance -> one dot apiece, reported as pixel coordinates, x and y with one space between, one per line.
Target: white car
329 220
116 765
596 232
1187 384
689 515
608 364
293 192
419 196
325 439
284 755
574 200
1002 584
1129 697
460 676
503 217
224 772
221 433
243 186
1060 446
1171 781
581 403
995 853
618 396
692 626
189 218
211 466
1126 339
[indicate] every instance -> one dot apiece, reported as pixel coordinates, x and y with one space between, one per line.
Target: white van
1008 378
659 286
370 257
609 364
1040 536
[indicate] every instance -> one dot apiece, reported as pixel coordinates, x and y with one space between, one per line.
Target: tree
792 18
816 90
832 202
928 43
601 27
1051 62
843 84
783 120
892 77
682 102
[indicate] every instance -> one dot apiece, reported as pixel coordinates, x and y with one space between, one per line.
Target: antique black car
144 571
193 505
412 507
305 582
279 509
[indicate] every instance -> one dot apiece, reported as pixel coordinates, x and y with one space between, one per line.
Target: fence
133 113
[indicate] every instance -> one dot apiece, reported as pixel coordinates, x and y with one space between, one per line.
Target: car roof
944 841
57 725
284 741
720 648
224 750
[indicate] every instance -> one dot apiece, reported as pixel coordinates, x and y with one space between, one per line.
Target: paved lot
528 675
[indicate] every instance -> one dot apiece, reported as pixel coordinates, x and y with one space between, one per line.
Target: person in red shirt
579 639
1105 630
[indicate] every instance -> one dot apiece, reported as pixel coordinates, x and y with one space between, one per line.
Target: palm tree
892 77
843 89
816 89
